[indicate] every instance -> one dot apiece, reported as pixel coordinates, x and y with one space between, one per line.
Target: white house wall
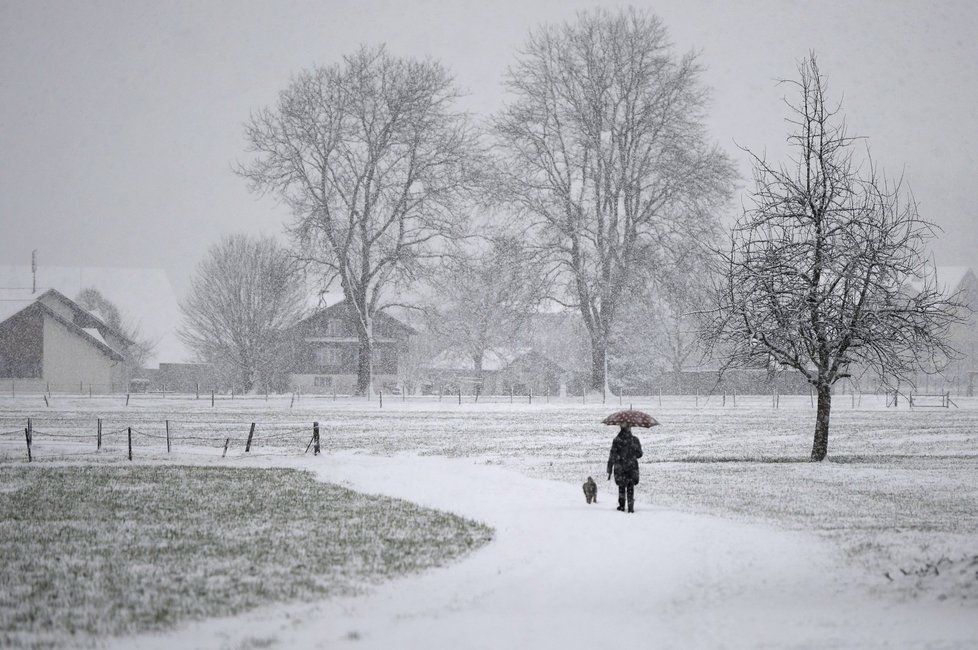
71 361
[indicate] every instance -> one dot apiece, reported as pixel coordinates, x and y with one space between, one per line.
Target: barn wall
70 361
21 347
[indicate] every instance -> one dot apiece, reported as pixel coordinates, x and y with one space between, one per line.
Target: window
329 357
334 327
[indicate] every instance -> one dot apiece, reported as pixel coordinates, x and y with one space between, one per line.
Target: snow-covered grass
102 549
897 492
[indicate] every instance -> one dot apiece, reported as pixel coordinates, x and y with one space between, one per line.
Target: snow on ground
561 574
799 557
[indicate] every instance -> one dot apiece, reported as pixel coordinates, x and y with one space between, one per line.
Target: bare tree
604 150
373 159
827 270
141 347
245 297
487 299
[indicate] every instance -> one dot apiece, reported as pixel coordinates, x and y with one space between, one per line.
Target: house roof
144 296
340 309
949 278
17 305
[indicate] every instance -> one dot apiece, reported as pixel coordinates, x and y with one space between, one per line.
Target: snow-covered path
561 574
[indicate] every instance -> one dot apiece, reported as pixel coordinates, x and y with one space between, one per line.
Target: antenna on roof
34 271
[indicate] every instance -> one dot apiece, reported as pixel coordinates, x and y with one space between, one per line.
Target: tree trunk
598 352
821 446
364 365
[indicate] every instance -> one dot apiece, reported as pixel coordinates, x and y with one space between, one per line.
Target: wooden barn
49 343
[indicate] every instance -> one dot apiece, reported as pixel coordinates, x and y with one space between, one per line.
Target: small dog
590 490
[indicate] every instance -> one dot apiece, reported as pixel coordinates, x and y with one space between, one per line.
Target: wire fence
69 437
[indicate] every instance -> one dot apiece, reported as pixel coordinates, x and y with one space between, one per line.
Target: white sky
119 121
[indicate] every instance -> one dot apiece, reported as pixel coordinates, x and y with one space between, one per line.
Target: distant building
181 378
144 296
47 342
327 351
504 371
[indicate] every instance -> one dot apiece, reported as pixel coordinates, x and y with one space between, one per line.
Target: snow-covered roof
95 334
949 278
145 298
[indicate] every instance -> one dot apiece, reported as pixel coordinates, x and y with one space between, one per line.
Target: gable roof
340 310
90 334
145 297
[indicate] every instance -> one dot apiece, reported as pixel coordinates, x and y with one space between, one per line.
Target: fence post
292 403
251 434
724 400
196 390
89 390
167 422
530 393
735 398
127 399
164 390
460 394
81 387
697 398
227 441
98 436
212 398
129 431
315 438
510 393
478 389
660 396
381 394
46 402
27 438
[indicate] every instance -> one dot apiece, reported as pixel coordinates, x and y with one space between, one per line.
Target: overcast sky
119 121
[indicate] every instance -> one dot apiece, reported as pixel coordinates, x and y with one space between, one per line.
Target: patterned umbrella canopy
631 418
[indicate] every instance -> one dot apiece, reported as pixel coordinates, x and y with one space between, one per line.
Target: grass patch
89 551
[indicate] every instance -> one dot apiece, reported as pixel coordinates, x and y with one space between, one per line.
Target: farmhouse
144 296
327 351
47 342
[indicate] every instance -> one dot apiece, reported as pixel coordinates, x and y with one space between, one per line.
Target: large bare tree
246 296
603 149
827 269
373 158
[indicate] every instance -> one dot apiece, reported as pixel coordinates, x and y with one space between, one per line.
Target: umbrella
631 418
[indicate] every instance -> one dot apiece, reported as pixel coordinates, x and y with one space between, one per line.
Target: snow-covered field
803 554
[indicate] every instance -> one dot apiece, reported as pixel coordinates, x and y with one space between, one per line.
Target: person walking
623 463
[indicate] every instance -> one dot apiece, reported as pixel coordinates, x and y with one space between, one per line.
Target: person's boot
621 505
631 506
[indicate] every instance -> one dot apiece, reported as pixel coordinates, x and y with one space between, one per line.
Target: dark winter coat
623 460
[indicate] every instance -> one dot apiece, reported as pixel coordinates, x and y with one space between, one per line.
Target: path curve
560 574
